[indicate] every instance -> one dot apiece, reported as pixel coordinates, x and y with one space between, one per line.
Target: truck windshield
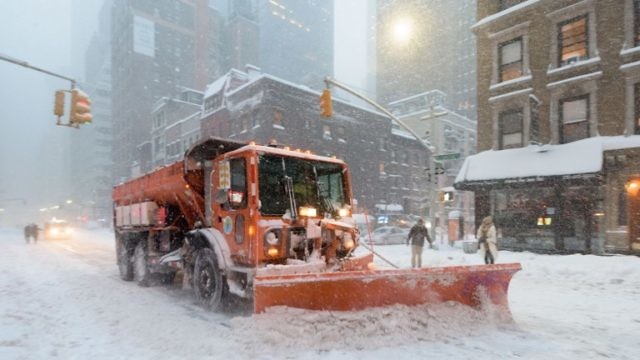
315 184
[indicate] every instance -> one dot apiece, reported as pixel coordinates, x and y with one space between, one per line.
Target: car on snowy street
388 235
57 229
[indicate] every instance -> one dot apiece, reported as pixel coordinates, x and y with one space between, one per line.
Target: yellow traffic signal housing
58 107
326 106
80 112
445 196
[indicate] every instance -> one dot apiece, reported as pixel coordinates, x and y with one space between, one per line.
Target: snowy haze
54 35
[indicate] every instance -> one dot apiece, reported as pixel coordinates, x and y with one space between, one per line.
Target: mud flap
356 290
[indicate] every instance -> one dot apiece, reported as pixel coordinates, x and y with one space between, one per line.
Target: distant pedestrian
27 233
35 230
488 241
416 237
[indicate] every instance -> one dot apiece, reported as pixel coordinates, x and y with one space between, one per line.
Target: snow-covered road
64 299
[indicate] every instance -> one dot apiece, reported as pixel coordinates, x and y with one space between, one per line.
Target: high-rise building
157 48
296 40
425 45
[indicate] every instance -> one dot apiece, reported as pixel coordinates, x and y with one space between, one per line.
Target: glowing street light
403 30
69 201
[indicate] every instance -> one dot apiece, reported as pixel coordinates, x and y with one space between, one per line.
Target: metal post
434 181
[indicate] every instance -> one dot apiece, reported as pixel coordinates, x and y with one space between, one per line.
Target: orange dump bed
166 185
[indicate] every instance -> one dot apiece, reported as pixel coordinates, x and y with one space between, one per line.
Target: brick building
558 129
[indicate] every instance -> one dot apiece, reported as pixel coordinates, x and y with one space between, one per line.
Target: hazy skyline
45 34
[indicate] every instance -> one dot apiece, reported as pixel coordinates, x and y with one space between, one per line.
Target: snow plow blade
356 290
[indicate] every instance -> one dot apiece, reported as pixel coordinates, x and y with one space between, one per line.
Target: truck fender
219 245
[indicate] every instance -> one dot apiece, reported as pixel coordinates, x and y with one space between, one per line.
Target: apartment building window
511 129
340 130
636 101
278 121
573 40
326 132
510 59
574 119
505 4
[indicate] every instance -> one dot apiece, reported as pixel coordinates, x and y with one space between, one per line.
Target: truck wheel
140 268
124 262
209 283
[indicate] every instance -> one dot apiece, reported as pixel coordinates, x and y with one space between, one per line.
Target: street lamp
403 30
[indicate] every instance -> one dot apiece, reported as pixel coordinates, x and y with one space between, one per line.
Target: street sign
452 156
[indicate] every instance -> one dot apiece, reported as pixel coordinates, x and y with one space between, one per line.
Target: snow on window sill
629 51
243 131
255 127
575 65
279 127
342 140
326 137
517 80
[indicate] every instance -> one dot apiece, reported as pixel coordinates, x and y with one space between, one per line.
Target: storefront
560 198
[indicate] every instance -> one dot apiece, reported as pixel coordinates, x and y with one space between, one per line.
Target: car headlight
308 211
55 232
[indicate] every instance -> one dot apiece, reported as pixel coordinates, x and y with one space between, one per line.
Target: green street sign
452 156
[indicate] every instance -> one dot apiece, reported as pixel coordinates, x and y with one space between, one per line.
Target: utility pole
431 150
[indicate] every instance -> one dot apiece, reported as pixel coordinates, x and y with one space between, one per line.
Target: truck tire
124 261
209 283
141 272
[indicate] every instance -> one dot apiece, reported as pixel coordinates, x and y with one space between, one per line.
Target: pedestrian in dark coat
27 233
35 232
417 235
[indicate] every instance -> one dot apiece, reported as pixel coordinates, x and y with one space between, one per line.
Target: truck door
231 209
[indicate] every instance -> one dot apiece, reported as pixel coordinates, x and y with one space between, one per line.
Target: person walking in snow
416 237
27 233
487 240
34 232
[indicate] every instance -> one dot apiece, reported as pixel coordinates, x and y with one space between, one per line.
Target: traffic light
445 196
80 112
325 103
58 107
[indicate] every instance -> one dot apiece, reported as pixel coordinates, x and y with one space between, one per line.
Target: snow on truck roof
212 147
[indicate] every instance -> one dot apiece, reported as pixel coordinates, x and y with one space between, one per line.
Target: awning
538 163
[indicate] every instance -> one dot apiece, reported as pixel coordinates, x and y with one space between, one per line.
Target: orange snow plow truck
272 225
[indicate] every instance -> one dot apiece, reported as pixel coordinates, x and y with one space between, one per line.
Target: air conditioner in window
571 60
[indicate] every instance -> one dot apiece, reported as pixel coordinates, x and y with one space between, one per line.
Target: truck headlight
308 211
271 238
347 241
344 212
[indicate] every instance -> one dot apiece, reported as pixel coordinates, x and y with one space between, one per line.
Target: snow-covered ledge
573 66
518 80
512 10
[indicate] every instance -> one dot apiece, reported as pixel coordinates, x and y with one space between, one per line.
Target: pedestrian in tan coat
487 240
